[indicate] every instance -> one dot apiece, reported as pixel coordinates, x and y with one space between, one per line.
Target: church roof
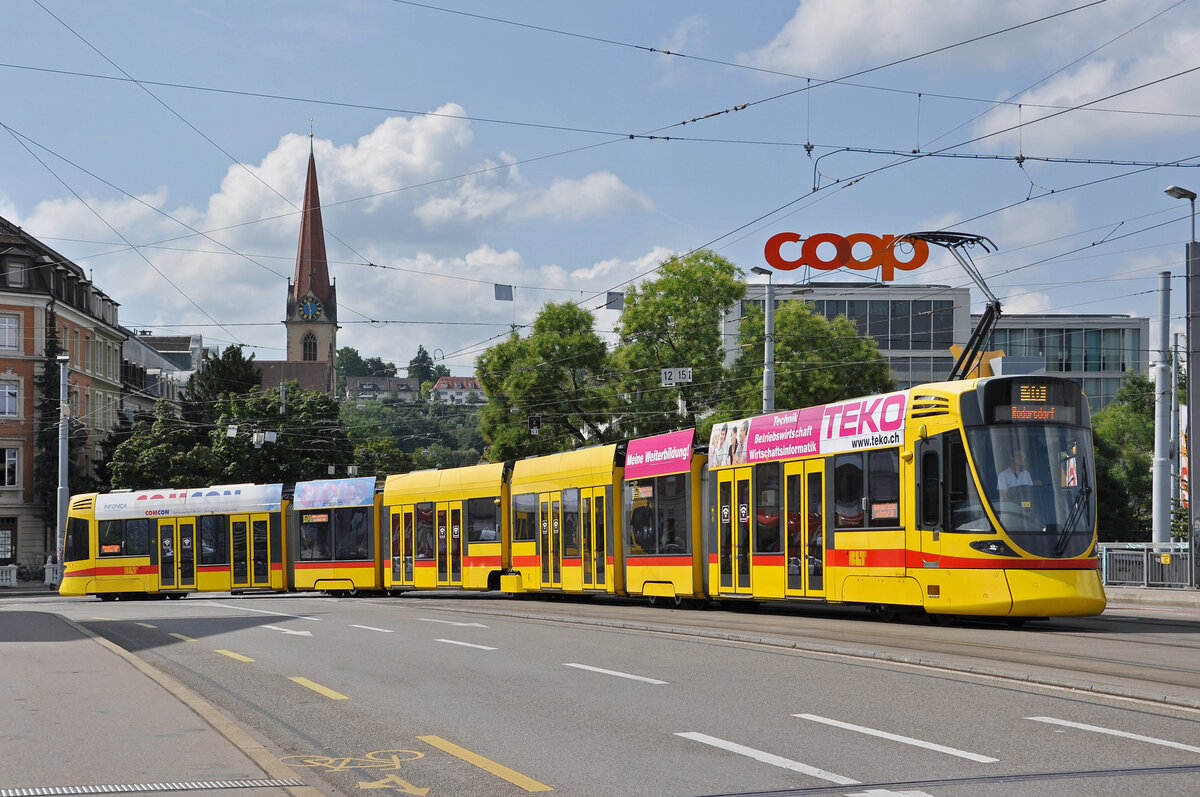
312 268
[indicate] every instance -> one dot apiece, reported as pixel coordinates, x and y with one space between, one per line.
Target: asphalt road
481 696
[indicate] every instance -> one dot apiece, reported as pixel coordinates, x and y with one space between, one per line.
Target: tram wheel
108 596
176 596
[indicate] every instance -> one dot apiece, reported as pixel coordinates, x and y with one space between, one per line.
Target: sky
567 149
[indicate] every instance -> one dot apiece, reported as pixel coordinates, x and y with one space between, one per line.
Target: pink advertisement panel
826 429
659 455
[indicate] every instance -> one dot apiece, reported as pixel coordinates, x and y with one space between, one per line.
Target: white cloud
826 38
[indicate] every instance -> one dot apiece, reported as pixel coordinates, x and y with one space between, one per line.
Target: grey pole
1161 465
64 414
768 343
1192 289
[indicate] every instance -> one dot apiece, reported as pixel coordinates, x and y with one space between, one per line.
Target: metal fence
1136 564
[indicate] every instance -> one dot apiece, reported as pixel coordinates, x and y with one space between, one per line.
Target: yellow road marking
324 690
233 655
108 619
147 625
184 638
486 764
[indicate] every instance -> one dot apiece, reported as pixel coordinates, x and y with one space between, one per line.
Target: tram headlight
994 547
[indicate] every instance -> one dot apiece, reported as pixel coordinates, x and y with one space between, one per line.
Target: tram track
1160 672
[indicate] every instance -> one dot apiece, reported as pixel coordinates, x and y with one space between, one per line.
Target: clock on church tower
310 308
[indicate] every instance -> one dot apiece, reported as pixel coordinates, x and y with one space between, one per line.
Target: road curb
222 724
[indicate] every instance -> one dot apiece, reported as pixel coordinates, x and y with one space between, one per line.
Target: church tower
311 319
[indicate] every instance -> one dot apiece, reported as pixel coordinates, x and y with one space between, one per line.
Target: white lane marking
451 622
288 630
464 644
769 758
1123 734
248 609
372 628
614 672
982 759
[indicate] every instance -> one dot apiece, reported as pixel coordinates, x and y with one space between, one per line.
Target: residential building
457 390
40 287
384 388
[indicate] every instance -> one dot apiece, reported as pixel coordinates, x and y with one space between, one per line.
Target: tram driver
1015 475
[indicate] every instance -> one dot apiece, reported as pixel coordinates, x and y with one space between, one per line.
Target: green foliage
397 438
556 373
816 362
232 372
421 366
1123 439
674 321
44 491
162 452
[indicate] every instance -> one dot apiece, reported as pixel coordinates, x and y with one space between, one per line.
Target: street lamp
1192 289
64 415
768 343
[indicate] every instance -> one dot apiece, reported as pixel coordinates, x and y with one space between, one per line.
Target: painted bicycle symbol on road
378 760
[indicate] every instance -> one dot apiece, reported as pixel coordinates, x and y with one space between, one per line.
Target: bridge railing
1145 564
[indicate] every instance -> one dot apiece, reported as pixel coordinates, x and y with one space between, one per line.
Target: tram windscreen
1033 455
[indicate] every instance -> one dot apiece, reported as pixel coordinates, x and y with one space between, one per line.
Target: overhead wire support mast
958 243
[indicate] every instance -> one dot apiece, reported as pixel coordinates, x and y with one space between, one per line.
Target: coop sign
827 251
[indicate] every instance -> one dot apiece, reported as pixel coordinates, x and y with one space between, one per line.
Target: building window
11 471
15 270
8 401
9 332
310 347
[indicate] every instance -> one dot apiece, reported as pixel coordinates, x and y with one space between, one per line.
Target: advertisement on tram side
825 429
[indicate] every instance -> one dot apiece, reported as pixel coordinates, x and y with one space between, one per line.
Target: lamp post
1192 290
64 417
768 343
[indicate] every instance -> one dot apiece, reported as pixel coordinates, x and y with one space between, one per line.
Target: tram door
805 528
733 548
250 549
402 546
592 521
550 528
176 554
449 544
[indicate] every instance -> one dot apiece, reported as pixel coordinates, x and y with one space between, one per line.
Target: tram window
766 508
966 508
931 484
425 539
350 532
658 515
112 538
848 491
214 540
600 516
883 483
315 536
525 527
124 538
570 521
76 546
483 519
397 543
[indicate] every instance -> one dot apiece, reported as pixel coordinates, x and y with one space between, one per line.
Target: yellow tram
970 497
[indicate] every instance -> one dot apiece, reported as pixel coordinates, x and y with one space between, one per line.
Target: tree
375 366
348 363
47 414
674 321
557 375
231 373
1123 439
161 451
421 366
816 362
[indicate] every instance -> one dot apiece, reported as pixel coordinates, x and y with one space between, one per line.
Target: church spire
312 268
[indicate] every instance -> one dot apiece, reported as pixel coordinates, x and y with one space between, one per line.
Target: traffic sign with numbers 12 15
676 376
